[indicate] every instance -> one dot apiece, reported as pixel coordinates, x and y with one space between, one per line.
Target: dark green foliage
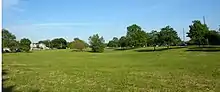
198 32
213 37
136 36
7 35
14 45
168 36
97 43
25 44
113 43
8 39
153 38
123 42
59 43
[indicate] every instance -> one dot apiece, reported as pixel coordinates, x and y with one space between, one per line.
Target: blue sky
48 19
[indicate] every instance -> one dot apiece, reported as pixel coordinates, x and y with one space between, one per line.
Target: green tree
153 38
213 37
97 43
111 44
197 32
25 44
123 42
168 36
136 36
114 42
14 45
59 43
78 44
7 38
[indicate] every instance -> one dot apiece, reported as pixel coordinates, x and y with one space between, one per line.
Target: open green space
173 70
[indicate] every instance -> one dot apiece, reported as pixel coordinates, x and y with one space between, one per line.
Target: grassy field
142 70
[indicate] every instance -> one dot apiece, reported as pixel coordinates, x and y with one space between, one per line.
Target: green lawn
129 70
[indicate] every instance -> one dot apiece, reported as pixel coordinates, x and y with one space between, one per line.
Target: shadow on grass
122 49
9 88
77 51
93 51
158 49
204 49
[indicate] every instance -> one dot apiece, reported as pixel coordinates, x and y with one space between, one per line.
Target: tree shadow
204 49
122 49
159 49
9 88
94 52
74 50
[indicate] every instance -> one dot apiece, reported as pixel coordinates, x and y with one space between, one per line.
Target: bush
97 43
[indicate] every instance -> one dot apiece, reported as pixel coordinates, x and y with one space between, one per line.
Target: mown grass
170 70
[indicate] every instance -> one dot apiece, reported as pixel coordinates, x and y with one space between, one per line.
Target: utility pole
183 34
207 40
204 19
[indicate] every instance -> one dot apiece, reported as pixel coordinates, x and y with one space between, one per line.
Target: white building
36 46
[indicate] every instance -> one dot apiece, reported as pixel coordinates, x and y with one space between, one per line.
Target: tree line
135 37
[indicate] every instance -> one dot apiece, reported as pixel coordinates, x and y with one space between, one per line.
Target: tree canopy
169 36
59 43
25 44
123 42
78 44
114 42
213 37
198 32
97 43
136 36
8 39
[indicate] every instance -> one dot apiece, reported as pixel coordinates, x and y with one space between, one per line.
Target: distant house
6 49
38 46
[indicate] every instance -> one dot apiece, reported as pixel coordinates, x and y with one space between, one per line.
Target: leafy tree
14 45
69 45
136 36
46 42
114 42
25 44
198 32
97 43
59 43
7 35
153 38
168 36
7 38
78 44
177 41
213 37
111 44
123 42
